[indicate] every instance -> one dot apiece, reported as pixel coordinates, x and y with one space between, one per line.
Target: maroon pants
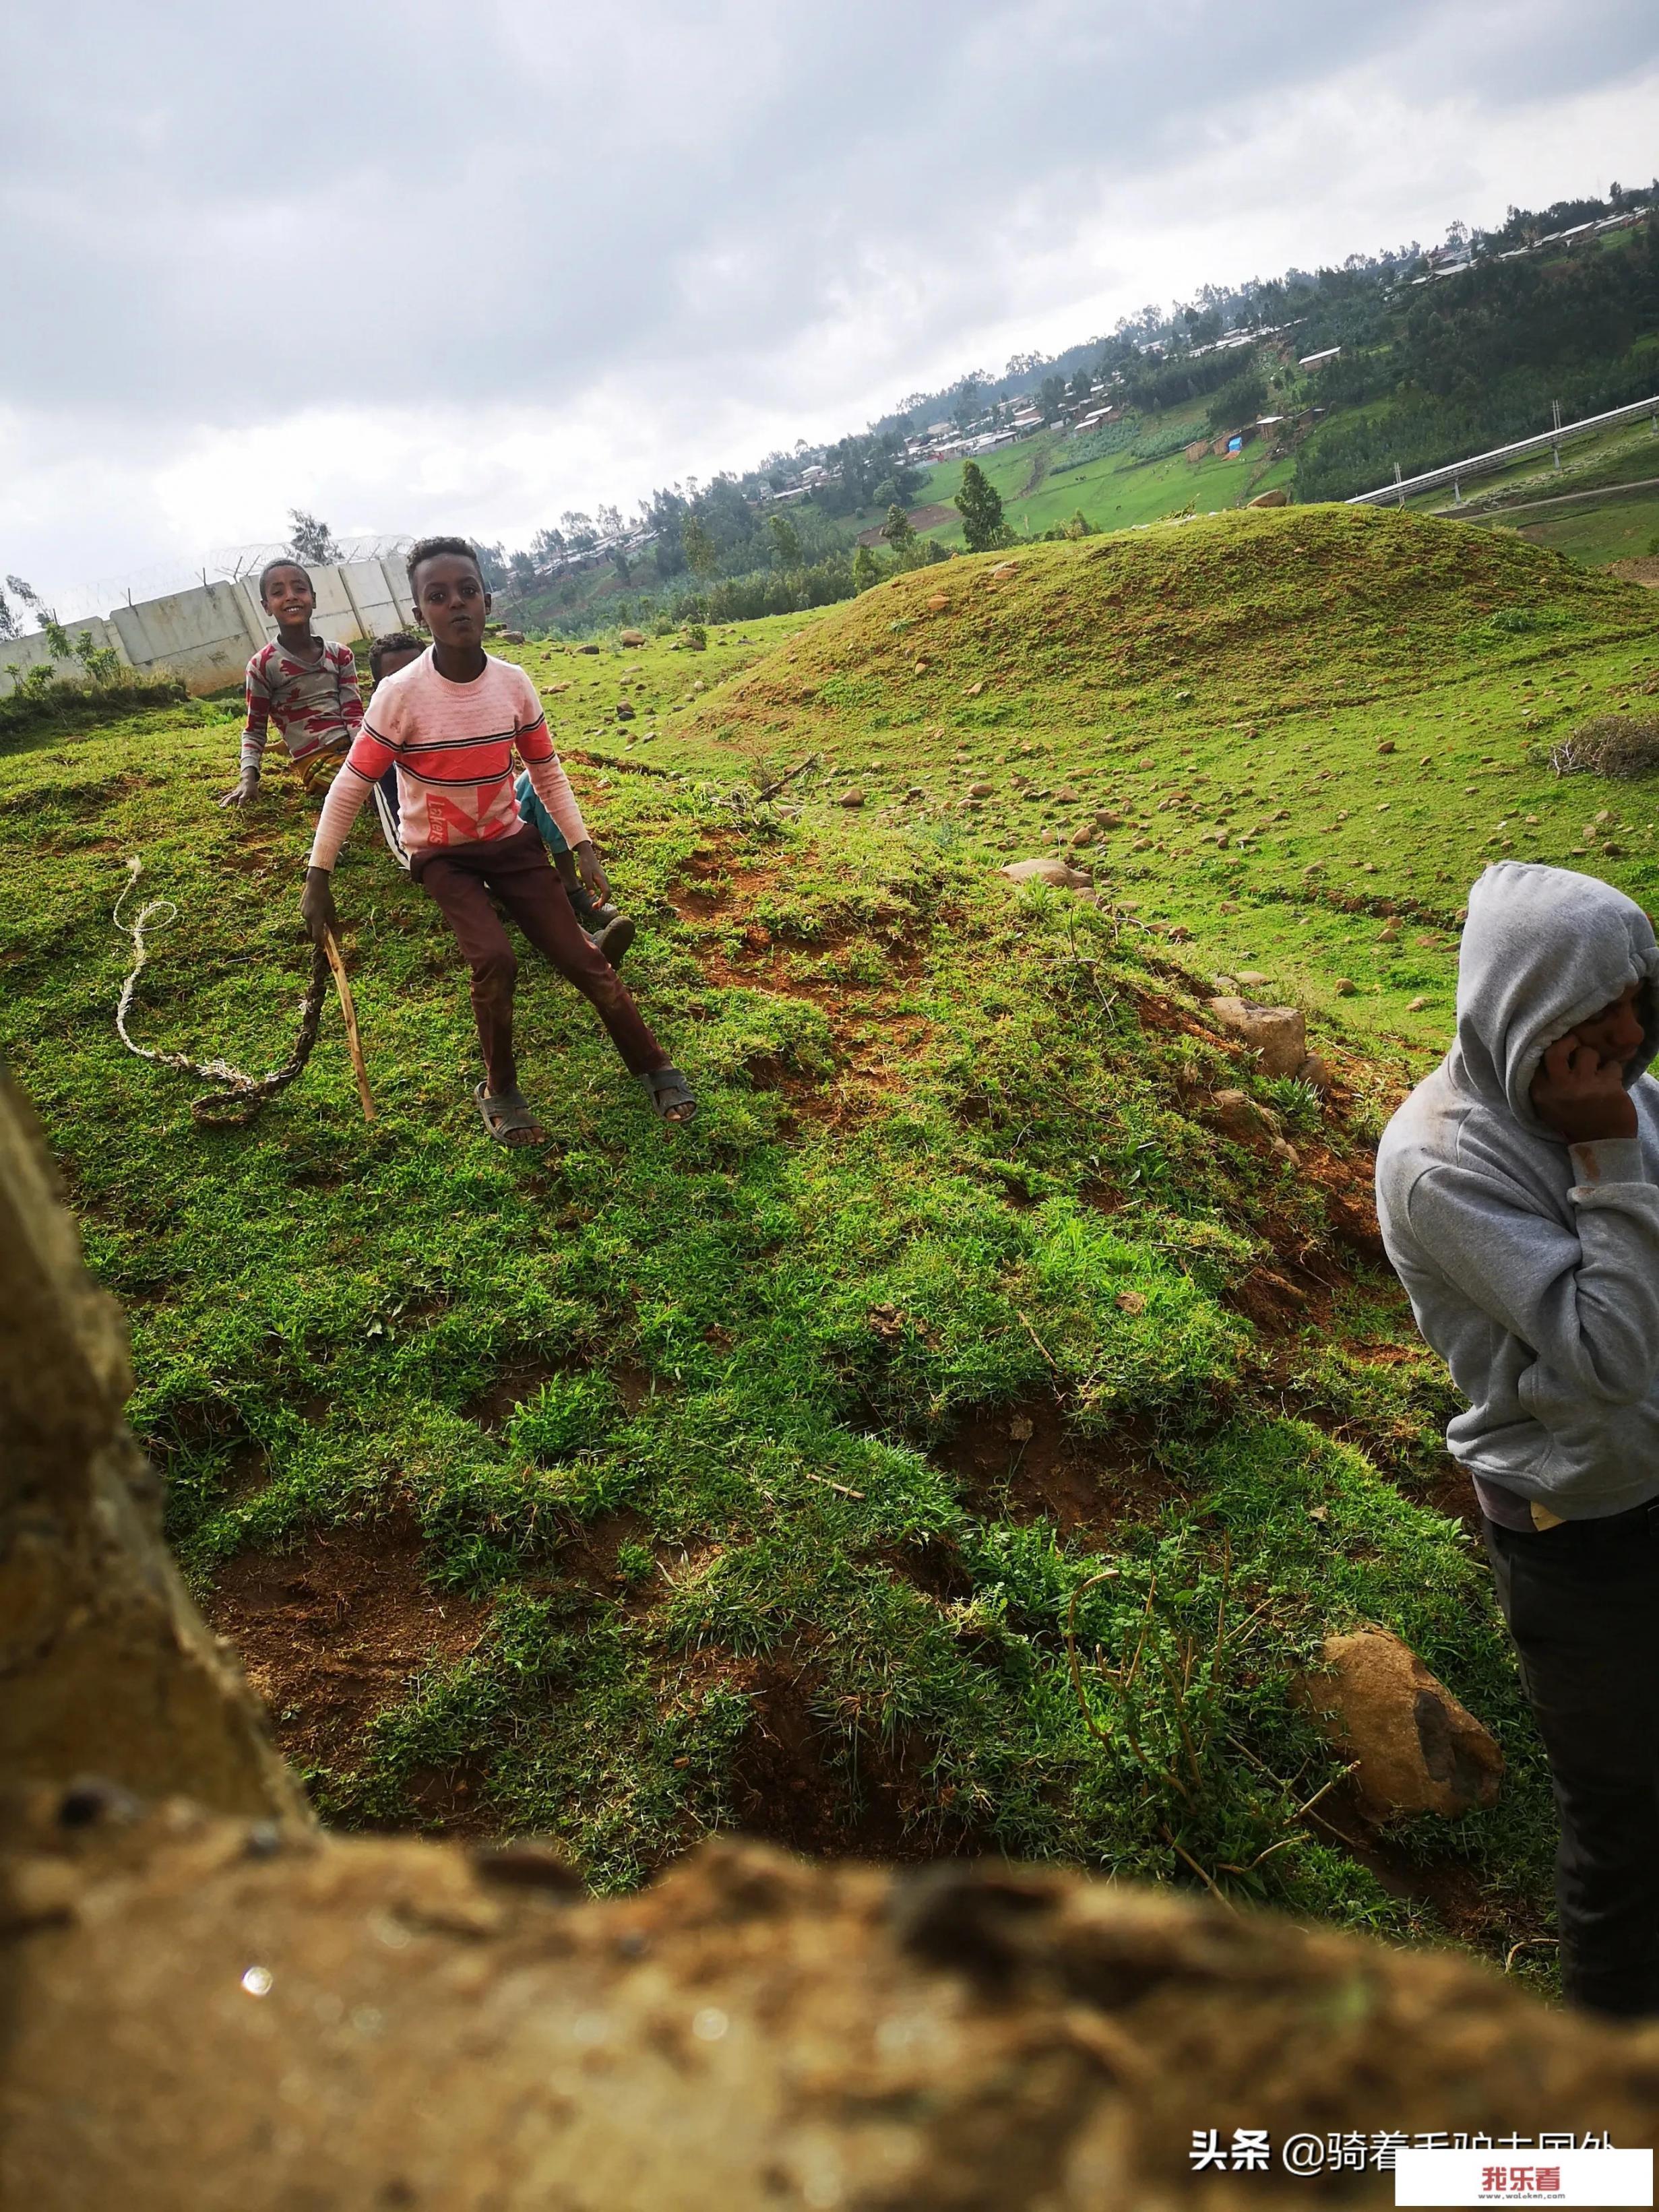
518 871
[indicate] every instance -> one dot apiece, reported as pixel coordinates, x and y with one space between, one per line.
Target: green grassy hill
772 1473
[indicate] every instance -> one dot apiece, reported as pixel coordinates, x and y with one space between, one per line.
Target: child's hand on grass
245 787
592 871
317 909
1581 1095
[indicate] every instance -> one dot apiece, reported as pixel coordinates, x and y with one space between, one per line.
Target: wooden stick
353 1038
771 790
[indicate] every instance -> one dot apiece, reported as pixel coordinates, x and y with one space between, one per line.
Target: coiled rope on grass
237 1097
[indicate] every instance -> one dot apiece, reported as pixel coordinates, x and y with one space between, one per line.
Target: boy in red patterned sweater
308 687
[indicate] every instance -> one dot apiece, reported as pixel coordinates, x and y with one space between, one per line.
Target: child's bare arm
254 728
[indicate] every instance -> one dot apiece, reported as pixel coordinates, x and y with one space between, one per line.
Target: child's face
451 599
289 597
399 657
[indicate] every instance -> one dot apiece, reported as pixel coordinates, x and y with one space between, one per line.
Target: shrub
1610 744
40 698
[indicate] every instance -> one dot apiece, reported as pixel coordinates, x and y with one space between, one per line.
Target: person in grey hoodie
1518 1193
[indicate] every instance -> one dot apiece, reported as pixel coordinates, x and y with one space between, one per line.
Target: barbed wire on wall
97 595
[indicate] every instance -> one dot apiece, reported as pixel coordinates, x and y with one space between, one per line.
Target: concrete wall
205 635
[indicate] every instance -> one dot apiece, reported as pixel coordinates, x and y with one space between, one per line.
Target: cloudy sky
449 266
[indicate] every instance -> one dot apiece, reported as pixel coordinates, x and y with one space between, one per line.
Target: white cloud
467 271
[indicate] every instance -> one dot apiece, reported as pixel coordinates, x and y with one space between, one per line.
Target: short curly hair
394 641
428 549
283 560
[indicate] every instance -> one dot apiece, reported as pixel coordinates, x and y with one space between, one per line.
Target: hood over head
1543 950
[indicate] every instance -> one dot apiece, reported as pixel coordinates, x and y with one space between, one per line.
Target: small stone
1085 836
1066 797
625 713
1318 1073
633 636
1416 1748
1237 1116
982 791
1253 979
1278 1034
1283 1150
512 637
974 689
1107 820
1416 1005
1346 986
1386 745
853 798
1049 869
1388 932
1005 568
937 604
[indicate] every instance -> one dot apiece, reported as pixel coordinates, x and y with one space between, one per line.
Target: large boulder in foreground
1417 1749
105 1665
207 2018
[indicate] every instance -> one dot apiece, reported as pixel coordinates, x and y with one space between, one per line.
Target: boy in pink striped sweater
449 723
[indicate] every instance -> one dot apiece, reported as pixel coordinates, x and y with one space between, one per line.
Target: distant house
1199 450
940 429
1319 359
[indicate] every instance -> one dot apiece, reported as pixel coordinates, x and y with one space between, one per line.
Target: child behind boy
449 723
610 929
308 687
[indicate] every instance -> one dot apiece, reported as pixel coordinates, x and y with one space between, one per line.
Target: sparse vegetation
1617 746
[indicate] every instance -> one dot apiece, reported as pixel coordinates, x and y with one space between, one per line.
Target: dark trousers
516 870
1583 1605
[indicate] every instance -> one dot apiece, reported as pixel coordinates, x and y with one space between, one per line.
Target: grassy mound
1258 613
772 1473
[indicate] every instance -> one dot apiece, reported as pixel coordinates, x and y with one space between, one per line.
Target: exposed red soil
796 1782
331 1633
872 1046
1024 1462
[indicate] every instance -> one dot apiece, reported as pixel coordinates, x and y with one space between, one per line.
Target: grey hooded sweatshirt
1533 1266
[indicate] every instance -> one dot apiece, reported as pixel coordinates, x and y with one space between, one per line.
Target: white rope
252 1091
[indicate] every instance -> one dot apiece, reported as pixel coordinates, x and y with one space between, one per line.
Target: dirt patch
803 1782
588 1557
331 1634
1452 1890
1643 570
1021 1462
521 1379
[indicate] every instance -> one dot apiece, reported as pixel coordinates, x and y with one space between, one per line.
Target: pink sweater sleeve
340 809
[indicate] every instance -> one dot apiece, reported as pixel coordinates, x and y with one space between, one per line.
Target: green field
1115 492
758 1473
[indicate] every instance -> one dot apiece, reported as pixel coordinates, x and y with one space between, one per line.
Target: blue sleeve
536 815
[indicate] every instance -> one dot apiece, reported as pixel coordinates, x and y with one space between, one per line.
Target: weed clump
1619 745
